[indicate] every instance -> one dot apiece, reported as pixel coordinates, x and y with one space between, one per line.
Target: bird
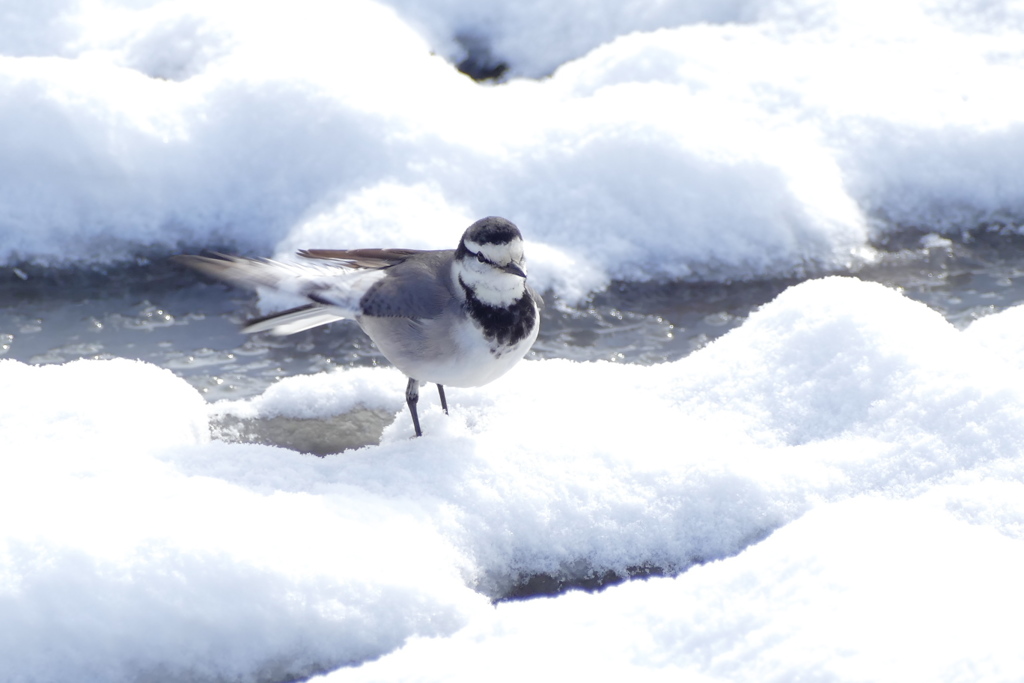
458 317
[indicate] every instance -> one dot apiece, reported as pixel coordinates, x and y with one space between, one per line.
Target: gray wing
420 286
537 298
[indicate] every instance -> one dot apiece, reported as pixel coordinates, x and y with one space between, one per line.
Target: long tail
293 320
333 290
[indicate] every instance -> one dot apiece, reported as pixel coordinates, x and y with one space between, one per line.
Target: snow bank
533 39
682 140
116 565
845 468
869 589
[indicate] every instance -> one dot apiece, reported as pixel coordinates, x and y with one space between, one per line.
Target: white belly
437 351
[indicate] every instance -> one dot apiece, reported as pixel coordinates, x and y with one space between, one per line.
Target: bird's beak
514 269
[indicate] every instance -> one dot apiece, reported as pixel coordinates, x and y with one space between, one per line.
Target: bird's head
490 262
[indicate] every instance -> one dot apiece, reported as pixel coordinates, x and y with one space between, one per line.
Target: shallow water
157 311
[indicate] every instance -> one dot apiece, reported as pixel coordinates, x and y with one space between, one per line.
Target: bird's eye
480 257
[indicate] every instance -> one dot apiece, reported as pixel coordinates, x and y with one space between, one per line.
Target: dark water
156 311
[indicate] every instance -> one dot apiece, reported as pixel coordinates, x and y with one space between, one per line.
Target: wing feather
361 258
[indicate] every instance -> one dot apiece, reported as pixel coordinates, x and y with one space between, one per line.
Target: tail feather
333 289
293 320
247 272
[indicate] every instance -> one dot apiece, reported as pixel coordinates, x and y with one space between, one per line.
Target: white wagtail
458 317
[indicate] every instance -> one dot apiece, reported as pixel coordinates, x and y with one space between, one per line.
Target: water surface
157 311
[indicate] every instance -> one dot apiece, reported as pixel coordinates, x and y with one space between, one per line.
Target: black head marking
490 230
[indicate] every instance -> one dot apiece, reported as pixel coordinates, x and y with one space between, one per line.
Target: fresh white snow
772 140
846 462
835 489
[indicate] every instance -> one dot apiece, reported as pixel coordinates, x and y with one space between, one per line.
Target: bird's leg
444 403
412 396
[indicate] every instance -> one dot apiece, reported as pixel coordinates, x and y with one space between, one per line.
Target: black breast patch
504 326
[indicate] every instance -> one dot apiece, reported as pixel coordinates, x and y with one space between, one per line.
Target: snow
681 140
117 563
1001 335
831 490
858 590
834 486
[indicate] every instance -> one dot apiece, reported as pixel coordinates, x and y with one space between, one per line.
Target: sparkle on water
156 311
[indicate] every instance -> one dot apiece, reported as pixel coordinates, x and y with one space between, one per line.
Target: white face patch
489 283
500 254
